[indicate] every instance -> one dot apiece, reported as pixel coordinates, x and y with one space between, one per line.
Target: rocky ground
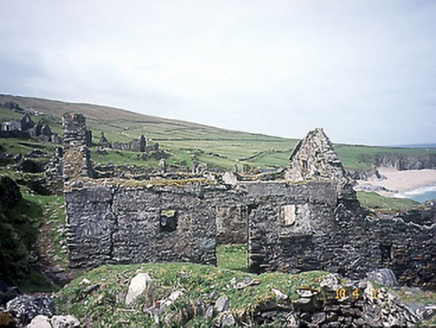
191 295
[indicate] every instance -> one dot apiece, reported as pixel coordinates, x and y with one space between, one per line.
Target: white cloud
278 67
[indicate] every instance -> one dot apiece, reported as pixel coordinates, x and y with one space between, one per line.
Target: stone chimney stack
77 159
74 125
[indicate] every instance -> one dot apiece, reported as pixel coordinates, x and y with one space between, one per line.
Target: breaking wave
421 194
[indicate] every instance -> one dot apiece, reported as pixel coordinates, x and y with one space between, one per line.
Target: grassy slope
376 202
18 238
361 157
106 308
189 141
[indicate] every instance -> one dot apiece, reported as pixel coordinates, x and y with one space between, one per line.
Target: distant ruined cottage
25 128
311 220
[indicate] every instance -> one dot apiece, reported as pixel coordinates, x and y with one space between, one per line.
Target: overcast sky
364 70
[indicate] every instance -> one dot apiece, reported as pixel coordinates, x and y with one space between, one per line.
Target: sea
421 194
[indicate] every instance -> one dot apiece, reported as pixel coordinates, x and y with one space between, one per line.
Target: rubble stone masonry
313 224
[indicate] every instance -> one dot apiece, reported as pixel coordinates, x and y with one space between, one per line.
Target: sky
364 70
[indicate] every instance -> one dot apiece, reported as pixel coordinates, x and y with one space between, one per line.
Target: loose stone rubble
340 304
335 302
26 307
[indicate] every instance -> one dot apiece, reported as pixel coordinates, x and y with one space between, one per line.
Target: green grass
232 257
26 218
53 224
33 221
374 201
186 141
19 228
7 115
363 157
20 146
106 307
36 282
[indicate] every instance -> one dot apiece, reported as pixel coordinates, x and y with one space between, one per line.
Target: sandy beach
401 181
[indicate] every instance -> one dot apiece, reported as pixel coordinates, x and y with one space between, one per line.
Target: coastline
398 183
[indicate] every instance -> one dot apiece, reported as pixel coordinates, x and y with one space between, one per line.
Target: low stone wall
340 304
409 249
15 134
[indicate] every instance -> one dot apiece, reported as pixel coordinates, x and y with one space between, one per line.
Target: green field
376 202
184 141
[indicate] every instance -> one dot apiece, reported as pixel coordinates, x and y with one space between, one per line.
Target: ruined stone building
309 221
25 128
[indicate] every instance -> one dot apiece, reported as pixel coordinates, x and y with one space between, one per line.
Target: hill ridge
88 109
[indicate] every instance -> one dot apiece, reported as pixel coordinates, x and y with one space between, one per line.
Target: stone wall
409 249
133 145
140 225
314 234
289 225
314 159
54 179
337 303
313 224
15 134
291 228
122 225
232 224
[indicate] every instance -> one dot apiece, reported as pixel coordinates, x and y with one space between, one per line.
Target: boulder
40 321
57 321
230 178
385 277
330 282
64 321
26 307
222 304
227 320
137 287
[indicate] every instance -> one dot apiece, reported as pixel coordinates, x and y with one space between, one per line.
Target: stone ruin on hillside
310 221
25 128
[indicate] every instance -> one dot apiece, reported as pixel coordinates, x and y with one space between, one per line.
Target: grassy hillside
186 141
183 140
376 202
200 286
